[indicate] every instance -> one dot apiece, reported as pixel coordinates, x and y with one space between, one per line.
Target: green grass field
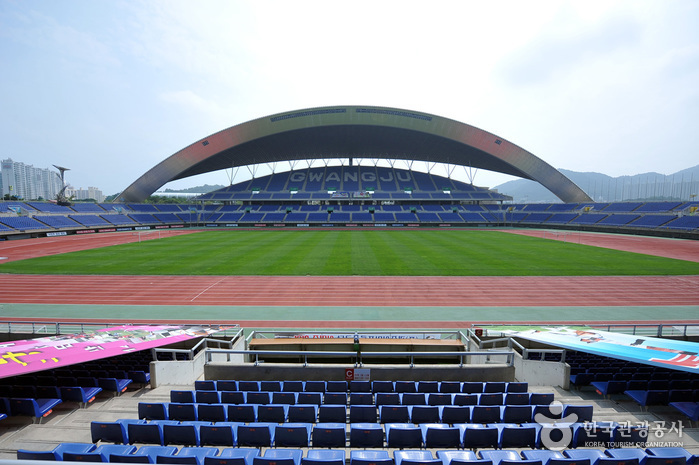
354 252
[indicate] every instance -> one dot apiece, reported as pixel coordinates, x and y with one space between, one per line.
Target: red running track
352 290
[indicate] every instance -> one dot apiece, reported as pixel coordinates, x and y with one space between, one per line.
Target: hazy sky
111 88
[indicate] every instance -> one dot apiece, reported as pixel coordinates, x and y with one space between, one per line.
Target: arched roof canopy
353 132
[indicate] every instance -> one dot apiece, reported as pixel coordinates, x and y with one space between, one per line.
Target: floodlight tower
61 197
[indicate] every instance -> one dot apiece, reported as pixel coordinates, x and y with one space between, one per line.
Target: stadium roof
353 132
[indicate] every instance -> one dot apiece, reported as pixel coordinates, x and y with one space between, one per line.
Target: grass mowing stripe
413 252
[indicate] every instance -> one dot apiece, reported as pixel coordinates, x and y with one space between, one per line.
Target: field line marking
206 289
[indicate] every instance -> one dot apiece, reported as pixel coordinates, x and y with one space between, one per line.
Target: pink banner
28 356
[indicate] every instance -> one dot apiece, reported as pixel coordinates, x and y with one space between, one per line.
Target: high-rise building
27 182
84 194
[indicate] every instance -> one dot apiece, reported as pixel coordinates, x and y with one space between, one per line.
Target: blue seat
271 386
314 386
672 452
631 453
485 414
394 414
413 398
279 457
183 397
153 411
370 457
402 435
185 433
440 435
239 456
328 435
405 386
591 455
219 434
595 434
245 413
547 413
438 398
414 457
226 385
79 394
293 435
453 414
517 436
205 385
649 397
476 436
232 397
557 435
450 387
519 387
608 388
212 412
302 413
362 414
516 413
207 397
582 413
495 386
37 408
182 412
387 398
516 398
465 399
112 431
100 454
423 414
627 435
366 435
272 413
382 386
249 386
115 385
335 398
324 457
256 435
258 397
506 457
491 398
336 386
283 397
460 457
360 386
292 386
471 387
361 398
57 452
315 398
540 398
553 457
188 455
428 386
144 454
148 433
332 413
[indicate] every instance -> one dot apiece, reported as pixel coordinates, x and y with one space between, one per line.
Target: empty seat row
451 387
359 398
392 435
311 413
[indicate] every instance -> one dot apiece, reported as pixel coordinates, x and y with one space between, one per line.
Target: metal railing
358 358
203 344
398 335
641 329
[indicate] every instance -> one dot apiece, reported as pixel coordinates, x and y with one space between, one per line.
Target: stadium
359 312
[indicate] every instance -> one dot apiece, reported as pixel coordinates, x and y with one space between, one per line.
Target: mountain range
682 185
